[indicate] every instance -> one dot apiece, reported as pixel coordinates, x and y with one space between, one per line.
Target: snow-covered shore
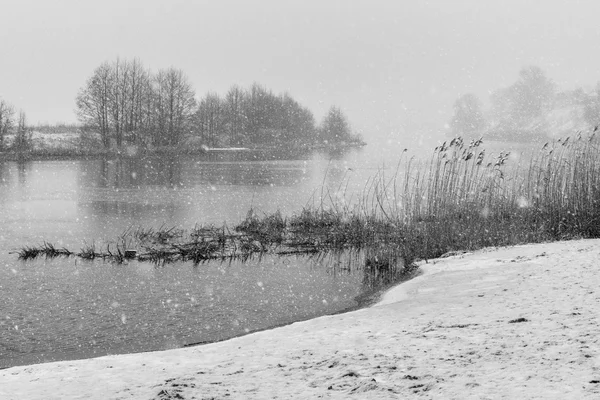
515 323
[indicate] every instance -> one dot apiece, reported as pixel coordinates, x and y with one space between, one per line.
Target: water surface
67 308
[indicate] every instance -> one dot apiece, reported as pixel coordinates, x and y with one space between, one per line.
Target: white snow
42 140
447 334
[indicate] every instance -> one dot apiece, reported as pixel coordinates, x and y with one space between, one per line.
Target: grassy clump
89 252
265 231
46 249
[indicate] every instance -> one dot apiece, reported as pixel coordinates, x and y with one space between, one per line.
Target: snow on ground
513 323
54 140
42 140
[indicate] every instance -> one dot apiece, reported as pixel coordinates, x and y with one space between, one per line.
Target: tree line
15 123
125 103
530 109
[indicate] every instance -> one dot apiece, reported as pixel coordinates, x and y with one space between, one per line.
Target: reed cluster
463 199
46 249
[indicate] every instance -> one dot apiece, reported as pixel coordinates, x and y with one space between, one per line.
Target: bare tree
234 115
117 101
139 93
255 116
209 119
93 102
304 124
23 137
296 123
335 127
255 110
131 92
175 105
7 113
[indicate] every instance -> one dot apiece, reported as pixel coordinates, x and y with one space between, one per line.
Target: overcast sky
391 65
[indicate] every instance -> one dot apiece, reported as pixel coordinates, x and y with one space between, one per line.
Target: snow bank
517 322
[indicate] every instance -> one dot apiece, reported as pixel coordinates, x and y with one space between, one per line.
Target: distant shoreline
133 152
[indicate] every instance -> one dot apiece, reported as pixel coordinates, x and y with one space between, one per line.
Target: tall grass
463 199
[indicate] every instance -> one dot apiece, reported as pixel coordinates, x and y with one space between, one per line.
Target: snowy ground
65 140
514 323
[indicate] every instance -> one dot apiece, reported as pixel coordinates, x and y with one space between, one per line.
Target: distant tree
93 107
304 125
132 102
468 119
6 120
335 127
174 105
118 99
591 107
254 116
534 94
234 118
519 111
210 119
256 110
295 123
181 101
23 135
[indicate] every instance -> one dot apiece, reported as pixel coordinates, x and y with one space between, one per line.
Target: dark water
67 308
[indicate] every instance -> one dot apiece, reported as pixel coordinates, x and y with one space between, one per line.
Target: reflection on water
182 191
134 172
189 172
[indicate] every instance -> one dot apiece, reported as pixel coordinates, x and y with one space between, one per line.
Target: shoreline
514 322
74 155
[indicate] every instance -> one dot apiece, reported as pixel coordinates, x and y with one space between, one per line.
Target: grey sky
388 64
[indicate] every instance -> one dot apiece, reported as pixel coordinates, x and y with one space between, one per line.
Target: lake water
67 308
